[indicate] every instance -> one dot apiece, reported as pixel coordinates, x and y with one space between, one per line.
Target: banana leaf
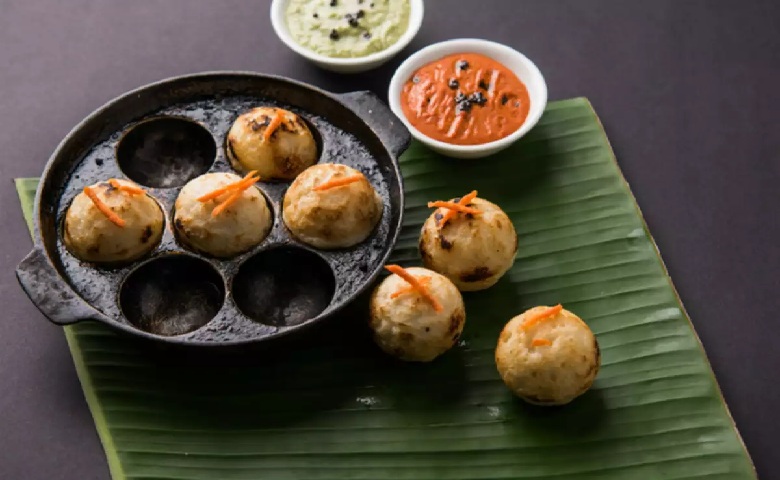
334 407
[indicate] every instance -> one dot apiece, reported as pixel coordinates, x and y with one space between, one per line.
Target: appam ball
547 356
91 236
472 250
282 154
407 326
330 218
240 226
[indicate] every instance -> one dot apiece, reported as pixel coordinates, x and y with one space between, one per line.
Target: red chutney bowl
468 98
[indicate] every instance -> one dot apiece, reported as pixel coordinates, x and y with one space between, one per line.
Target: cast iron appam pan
167 133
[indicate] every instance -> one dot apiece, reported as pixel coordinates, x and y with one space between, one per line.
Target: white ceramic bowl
346 65
515 61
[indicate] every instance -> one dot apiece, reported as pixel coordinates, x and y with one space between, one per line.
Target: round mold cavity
166 152
315 133
172 295
283 286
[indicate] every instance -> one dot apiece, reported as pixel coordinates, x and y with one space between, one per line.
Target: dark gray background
687 91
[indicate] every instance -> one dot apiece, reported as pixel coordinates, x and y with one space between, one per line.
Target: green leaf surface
335 408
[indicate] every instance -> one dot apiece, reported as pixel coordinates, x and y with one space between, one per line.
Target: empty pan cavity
166 152
283 286
172 295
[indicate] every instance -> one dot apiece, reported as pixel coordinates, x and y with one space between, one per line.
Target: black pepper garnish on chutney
477 98
334 35
316 16
463 107
333 3
367 35
360 14
353 22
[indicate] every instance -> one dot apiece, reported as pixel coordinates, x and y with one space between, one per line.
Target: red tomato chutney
465 99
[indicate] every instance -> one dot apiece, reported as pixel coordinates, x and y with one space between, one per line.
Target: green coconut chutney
347 28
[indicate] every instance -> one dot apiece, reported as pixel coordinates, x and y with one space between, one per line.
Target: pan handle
50 293
380 118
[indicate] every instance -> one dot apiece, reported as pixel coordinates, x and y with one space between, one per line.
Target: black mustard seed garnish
477 98
464 106
453 83
334 35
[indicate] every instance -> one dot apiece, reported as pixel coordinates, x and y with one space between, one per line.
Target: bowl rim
421 57
416 14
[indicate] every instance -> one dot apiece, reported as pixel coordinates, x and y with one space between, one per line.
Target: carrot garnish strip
540 342
424 281
451 212
126 188
271 128
542 315
228 202
453 206
242 185
468 198
411 280
104 209
338 182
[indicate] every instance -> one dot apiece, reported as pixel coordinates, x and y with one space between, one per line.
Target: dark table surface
687 91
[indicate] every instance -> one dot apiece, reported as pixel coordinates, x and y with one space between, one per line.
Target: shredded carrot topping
228 202
411 280
453 206
540 342
104 209
242 185
271 128
337 182
542 315
451 212
424 281
126 188
246 183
